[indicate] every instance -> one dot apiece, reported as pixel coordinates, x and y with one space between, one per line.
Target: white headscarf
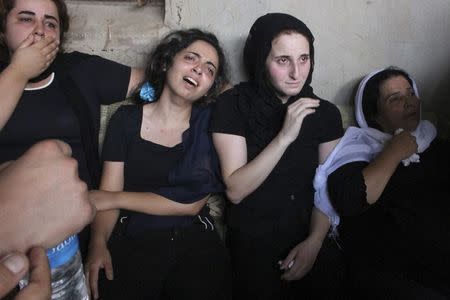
362 144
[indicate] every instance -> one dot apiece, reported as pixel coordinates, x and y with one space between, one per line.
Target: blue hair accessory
147 92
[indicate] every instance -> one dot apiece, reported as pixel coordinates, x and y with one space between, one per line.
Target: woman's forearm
155 204
319 226
103 225
377 175
149 203
12 84
250 175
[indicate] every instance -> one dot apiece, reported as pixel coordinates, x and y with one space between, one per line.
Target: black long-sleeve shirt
409 225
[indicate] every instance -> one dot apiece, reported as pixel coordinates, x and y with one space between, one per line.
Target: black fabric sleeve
330 122
347 189
107 79
118 134
226 116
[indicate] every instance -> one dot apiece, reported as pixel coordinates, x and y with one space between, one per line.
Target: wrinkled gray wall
353 37
117 30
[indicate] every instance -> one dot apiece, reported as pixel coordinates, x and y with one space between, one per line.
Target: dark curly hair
5 8
371 93
161 59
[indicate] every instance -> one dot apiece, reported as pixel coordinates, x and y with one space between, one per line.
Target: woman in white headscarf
388 181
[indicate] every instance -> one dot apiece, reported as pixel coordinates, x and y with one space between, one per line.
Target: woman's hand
194 208
31 59
98 258
301 259
295 115
402 145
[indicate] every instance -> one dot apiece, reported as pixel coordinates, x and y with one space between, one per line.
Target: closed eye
190 57
25 19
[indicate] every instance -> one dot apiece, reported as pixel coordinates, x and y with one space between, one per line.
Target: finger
12 268
288 259
64 147
302 115
305 105
39 286
109 270
296 271
27 42
296 111
303 101
45 42
86 277
50 48
93 280
289 274
52 55
286 276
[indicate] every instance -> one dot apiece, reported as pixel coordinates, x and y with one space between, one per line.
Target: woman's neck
172 111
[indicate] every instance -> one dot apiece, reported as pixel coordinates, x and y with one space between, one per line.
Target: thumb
12 268
27 42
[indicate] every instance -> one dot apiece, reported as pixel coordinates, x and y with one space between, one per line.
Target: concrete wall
121 31
353 37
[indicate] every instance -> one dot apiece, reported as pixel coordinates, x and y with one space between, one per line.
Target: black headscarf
258 97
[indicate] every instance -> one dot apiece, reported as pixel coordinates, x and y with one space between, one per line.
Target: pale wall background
353 37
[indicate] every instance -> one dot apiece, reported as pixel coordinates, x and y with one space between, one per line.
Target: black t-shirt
286 196
45 113
146 165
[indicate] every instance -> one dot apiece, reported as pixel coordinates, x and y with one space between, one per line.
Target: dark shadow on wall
440 105
344 98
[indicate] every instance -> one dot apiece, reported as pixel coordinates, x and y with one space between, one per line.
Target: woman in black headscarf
271 133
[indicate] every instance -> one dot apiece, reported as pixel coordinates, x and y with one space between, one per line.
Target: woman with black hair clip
388 180
270 134
159 169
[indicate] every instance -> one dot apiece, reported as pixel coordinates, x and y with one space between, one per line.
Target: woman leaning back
388 180
270 134
155 239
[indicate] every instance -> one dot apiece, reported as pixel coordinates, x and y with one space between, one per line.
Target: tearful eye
190 58
52 25
25 20
394 99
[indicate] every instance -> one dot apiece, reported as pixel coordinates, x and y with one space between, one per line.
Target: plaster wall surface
353 37
120 31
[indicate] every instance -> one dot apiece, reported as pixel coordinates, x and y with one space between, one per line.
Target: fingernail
291 264
14 263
